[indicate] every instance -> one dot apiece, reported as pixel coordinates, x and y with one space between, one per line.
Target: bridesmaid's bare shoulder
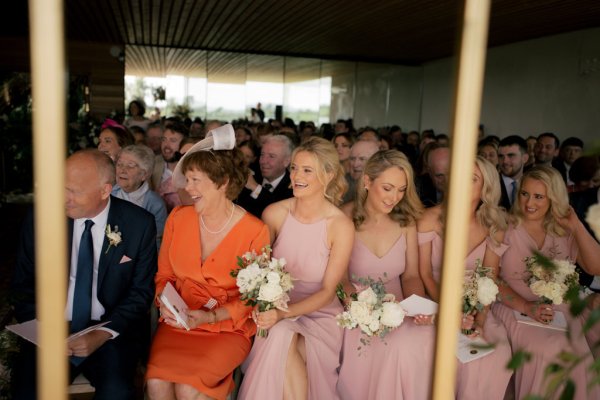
430 220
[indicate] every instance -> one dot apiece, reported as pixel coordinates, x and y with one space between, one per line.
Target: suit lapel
108 255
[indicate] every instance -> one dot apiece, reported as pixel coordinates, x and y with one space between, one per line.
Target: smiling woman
544 222
200 248
134 167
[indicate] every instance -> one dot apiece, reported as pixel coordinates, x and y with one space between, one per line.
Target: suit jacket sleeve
22 291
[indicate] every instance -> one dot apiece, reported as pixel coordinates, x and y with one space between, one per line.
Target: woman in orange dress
200 246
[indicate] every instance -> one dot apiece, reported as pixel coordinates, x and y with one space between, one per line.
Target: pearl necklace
224 226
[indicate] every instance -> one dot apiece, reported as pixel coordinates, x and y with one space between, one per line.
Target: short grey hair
283 140
143 154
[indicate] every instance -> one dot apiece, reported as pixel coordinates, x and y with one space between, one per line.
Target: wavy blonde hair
488 213
556 191
409 209
328 162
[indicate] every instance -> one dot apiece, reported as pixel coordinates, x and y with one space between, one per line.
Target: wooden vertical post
464 136
48 92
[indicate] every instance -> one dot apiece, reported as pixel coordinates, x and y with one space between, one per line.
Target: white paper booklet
173 301
417 305
471 349
28 330
559 322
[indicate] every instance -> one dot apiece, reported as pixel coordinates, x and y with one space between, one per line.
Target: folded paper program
221 138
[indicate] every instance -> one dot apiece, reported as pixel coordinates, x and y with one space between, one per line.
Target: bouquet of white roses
373 310
550 279
479 290
263 282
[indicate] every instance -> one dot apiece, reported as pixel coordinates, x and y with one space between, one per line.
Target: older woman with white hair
134 165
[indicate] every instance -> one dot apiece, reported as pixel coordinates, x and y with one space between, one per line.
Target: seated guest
531 142
585 173
512 157
546 148
138 134
385 247
162 176
488 150
542 221
360 152
134 167
300 356
154 137
487 377
108 281
251 151
432 186
343 143
200 247
274 159
113 137
570 150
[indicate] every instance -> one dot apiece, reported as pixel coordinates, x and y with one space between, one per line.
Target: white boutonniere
114 237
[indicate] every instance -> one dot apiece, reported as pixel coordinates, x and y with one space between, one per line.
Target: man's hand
85 345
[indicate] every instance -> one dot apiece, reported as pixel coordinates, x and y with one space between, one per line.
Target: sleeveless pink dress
486 377
304 246
544 344
398 366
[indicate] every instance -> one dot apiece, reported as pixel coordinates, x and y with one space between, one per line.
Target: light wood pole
48 78
471 65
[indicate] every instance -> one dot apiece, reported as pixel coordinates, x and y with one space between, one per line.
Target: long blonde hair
489 214
409 209
328 162
556 191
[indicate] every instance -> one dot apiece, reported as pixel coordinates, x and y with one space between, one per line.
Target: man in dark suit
432 186
512 157
111 278
275 157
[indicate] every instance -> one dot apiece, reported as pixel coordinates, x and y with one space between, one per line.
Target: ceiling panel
406 32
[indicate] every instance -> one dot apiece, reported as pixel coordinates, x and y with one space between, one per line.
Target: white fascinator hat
221 138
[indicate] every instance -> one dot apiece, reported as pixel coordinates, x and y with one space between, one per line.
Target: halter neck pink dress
398 366
486 377
544 344
304 246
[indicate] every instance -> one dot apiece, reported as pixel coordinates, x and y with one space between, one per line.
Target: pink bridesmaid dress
398 366
486 377
544 344
304 246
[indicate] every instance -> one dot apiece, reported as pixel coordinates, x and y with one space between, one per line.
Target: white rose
286 282
593 219
368 296
360 312
273 278
487 290
556 292
392 315
269 292
374 325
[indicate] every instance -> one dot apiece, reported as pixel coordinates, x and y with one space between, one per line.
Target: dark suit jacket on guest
559 165
426 190
581 201
504 197
125 287
258 205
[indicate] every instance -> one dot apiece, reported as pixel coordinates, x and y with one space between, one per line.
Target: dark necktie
513 194
82 298
267 186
